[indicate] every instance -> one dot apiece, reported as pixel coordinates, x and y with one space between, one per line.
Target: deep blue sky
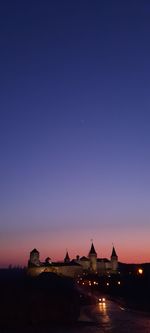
74 127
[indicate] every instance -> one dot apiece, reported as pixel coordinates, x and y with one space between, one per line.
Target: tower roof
34 251
114 254
92 250
48 259
67 258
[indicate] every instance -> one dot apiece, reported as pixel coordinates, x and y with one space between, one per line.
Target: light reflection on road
103 316
114 318
106 317
102 308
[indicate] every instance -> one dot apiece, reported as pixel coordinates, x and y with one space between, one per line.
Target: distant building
74 267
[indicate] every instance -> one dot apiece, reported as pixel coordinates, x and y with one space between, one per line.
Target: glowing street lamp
140 271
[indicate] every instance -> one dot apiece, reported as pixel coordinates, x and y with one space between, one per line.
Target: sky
74 129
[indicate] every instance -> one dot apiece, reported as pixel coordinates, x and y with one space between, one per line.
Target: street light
140 271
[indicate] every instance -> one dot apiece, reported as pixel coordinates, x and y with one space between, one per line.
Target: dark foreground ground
54 304
98 318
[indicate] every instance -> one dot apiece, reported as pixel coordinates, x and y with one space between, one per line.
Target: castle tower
114 261
67 259
48 261
93 259
34 258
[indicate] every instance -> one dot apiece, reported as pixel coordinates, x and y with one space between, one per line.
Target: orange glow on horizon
16 258
15 248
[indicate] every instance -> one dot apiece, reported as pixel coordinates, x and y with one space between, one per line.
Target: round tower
34 258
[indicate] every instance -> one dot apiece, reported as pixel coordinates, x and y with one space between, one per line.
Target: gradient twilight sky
74 128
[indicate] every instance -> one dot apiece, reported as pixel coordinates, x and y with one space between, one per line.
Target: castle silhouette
74 267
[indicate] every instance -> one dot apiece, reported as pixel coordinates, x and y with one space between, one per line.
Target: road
112 318
99 318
